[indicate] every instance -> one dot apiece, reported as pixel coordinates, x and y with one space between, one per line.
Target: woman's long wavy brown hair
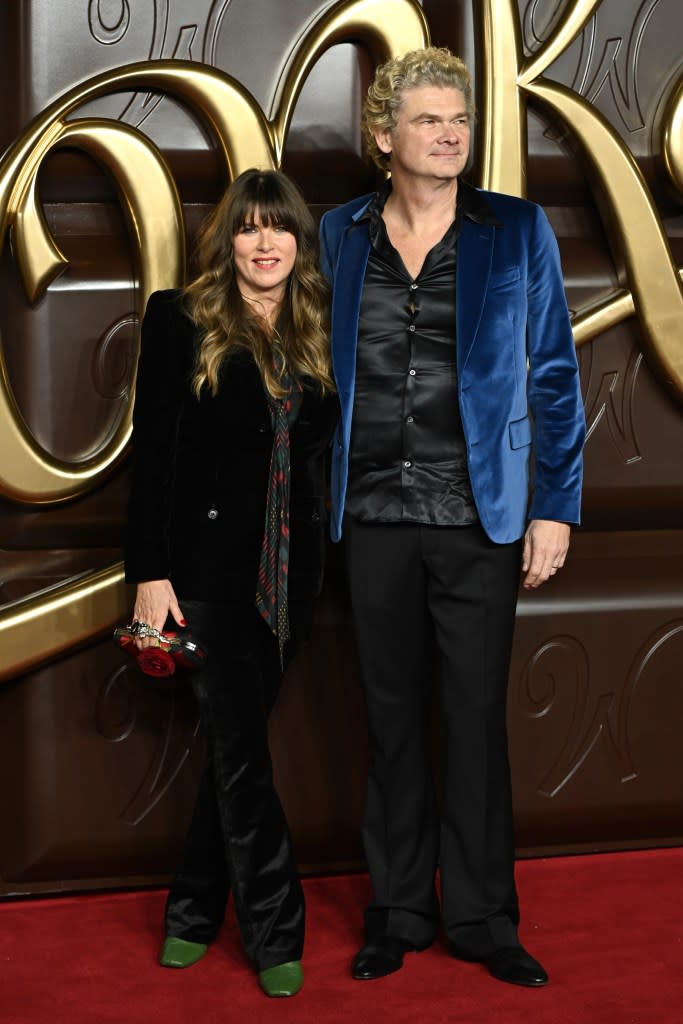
226 321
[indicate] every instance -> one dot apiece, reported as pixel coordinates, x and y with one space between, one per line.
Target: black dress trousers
407 582
238 839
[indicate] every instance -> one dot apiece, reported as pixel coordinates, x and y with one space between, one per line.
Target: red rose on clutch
155 662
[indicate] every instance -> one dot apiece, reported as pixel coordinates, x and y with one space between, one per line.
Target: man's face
431 139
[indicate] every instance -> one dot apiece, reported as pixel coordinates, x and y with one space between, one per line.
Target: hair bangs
274 204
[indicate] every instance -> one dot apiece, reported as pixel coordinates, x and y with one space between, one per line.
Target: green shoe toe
180 952
283 980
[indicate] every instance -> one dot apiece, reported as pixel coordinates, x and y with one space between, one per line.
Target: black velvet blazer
200 470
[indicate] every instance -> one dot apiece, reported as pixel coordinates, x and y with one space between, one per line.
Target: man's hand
154 600
545 548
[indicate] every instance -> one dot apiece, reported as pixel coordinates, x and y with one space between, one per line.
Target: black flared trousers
409 582
238 839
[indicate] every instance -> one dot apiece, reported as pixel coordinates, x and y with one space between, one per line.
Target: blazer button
315 518
213 512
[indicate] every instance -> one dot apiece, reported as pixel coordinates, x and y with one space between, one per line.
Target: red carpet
608 928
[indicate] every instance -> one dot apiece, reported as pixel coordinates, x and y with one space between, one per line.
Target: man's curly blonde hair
433 65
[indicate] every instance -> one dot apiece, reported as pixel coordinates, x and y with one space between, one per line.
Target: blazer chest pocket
520 433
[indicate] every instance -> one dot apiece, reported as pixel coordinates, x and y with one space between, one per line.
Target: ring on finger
143 629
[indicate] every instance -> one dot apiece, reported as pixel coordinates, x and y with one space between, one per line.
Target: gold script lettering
639 244
673 137
27 472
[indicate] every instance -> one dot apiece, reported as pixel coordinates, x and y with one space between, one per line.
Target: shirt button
410 419
407 464
412 372
412 327
212 513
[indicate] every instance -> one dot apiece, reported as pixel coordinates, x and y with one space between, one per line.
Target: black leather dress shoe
515 965
382 956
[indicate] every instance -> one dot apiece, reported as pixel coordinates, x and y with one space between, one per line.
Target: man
456 369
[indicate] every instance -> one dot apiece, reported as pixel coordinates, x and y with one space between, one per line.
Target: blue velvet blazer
518 384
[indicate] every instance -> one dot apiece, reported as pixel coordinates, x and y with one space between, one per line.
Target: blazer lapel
347 291
475 254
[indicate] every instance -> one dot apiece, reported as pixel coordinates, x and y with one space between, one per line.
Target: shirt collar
471 204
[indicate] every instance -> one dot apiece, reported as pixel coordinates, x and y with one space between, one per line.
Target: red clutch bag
173 650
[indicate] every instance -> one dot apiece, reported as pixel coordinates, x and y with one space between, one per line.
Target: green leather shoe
283 980
177 952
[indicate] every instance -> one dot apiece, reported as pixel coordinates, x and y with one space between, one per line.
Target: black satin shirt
407 461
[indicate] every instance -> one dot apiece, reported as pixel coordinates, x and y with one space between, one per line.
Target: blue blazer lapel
347 290
475 255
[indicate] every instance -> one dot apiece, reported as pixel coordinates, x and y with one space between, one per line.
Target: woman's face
264 258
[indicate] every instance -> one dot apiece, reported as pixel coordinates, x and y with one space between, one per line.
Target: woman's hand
154 601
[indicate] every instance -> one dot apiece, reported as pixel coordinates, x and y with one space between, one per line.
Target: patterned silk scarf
271 586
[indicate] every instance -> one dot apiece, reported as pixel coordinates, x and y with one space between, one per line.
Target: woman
234 411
